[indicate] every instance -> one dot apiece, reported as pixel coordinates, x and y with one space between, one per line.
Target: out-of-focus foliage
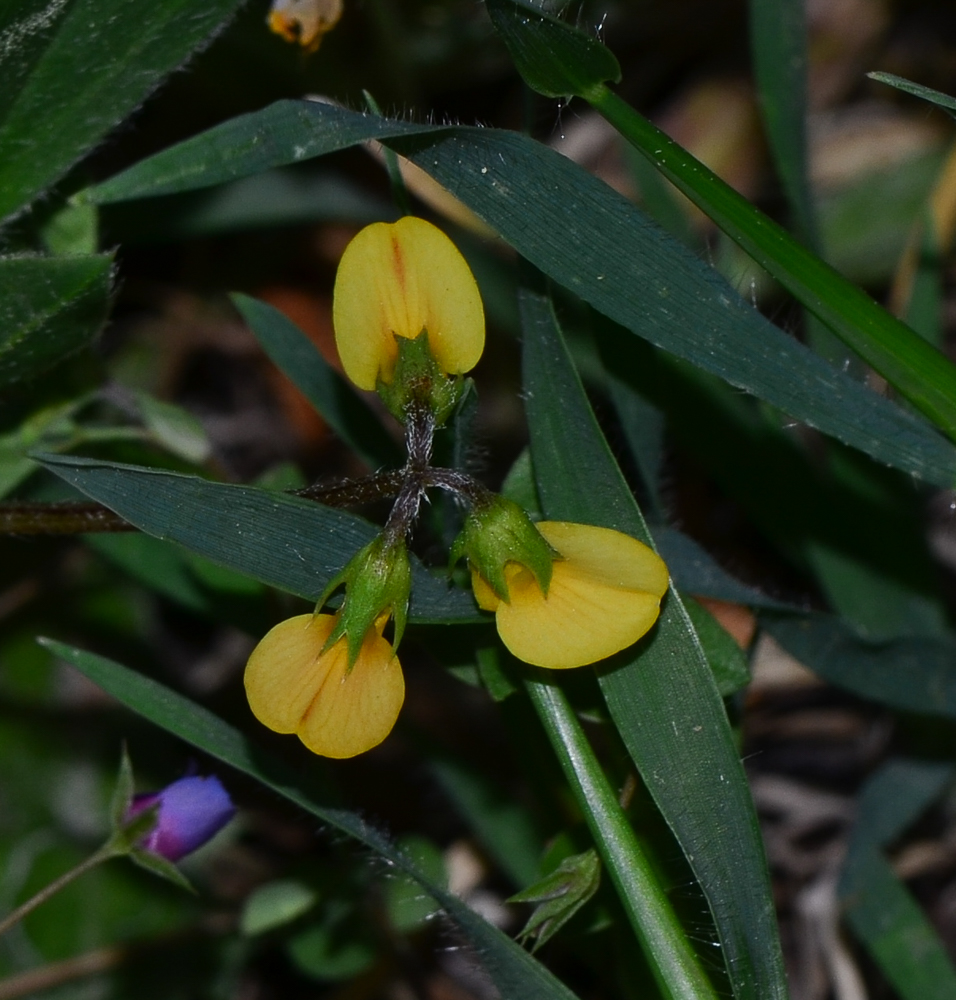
642 373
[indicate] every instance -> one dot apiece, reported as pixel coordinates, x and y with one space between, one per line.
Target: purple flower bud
191 811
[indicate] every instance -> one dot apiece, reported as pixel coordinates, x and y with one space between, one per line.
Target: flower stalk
675 967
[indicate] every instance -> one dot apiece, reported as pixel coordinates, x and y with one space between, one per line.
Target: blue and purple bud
191 811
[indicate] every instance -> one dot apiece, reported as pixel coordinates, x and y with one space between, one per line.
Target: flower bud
191 811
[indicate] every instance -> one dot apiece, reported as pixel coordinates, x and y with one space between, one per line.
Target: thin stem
354 492
106 852
59 519
668 952
33 981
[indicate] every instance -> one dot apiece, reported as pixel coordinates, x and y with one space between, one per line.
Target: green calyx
497 532
417 379
377 581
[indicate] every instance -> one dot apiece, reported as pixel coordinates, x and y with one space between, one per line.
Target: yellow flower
304 21
295 685
396 280
604 594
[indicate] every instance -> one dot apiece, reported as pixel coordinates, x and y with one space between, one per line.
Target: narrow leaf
778 41
284 541
662 698
587 238
516 974
936 97
554 58
915 368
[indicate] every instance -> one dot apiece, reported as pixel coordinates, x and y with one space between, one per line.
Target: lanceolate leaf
662 696
514 972
285 541
49 308
555 59
916 89
587 238
78 69
778 40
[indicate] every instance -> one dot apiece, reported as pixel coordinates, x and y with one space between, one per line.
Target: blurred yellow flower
396 280
295 685
604 594
304 21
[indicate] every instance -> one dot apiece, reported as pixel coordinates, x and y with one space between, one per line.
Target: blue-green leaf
284 541
515 973
586 237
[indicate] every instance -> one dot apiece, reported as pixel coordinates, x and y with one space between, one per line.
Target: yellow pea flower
396 280
603 595
304 21
295 685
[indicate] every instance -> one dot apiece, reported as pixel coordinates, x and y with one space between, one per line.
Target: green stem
671 958
915 368
106 852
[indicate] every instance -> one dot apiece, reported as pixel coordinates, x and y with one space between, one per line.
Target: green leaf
916 674
284 541
50 307
695 571
174 428
516 974
331 394
878 908
915 368
662 698
588 238
78 70
274 905
407 906
554 58
286 197
72 230
160 866
778 41
936 97
727 660
559 896
123 792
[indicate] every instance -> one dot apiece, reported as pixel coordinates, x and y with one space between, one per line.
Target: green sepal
497 532
554 58
158 865
418 379
559 896
125 838
377 580
122 794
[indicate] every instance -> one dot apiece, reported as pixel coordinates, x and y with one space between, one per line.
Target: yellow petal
604 595
304 21
485 597
403 278
293 687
